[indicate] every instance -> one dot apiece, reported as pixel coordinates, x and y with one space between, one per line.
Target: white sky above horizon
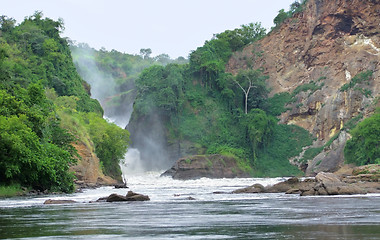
174 27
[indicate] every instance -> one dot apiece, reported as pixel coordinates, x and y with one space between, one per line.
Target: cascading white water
131 164
104 88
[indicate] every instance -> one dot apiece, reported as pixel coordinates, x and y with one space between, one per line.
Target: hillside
319 55
51 131
317 69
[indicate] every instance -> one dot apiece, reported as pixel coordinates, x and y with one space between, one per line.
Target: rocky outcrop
323 184
87 170
331 159
323 48
210 166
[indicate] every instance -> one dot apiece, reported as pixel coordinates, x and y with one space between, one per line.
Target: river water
171 215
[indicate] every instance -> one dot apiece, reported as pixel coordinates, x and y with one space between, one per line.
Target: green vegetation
220 113
39 91
112 74
11 190
362 77
312 87
110 142
310 153
364 147
276 104
295 7
352 122
288 141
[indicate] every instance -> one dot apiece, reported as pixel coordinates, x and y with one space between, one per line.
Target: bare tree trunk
246 102
246 92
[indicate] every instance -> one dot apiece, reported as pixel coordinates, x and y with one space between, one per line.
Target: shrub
364 147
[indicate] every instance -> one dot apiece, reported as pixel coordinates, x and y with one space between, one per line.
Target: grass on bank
11 190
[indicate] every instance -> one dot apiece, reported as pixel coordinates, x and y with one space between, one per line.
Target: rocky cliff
316 55
87 170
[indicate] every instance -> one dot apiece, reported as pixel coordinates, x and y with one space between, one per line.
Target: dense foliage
364 147
221 113
112 74
39 89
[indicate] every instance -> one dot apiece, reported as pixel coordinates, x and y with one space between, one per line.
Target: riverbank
11 191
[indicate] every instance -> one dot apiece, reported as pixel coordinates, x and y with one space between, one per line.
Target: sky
174 27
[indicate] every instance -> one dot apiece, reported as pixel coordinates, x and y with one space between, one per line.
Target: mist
102 85
147 151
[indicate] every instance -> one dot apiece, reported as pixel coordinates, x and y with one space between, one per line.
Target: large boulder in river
334 186
210 166
131 196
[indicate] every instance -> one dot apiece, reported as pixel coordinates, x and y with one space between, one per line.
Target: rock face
87 170
210 166
324 46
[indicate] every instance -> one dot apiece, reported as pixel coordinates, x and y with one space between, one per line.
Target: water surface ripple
170 215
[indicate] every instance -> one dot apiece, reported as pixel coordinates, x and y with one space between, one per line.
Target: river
171 215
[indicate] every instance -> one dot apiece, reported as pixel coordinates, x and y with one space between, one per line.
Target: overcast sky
174 27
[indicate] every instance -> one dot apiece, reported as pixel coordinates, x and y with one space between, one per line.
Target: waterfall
103 89
131 164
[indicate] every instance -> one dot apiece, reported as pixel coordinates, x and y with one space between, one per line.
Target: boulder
327 178
116 198
256 188
283 186
131 196
334 186
209 166
51 201
293 191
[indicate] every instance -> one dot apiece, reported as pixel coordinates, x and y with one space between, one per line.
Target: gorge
255 136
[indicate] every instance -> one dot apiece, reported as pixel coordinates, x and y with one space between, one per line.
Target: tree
280 18
260 128
163 58
6 24
248 80
145 52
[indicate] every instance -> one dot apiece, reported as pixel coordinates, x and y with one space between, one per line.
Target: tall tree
247 80
145 52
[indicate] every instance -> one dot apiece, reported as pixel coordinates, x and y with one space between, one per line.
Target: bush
276 104
287 142
364 147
